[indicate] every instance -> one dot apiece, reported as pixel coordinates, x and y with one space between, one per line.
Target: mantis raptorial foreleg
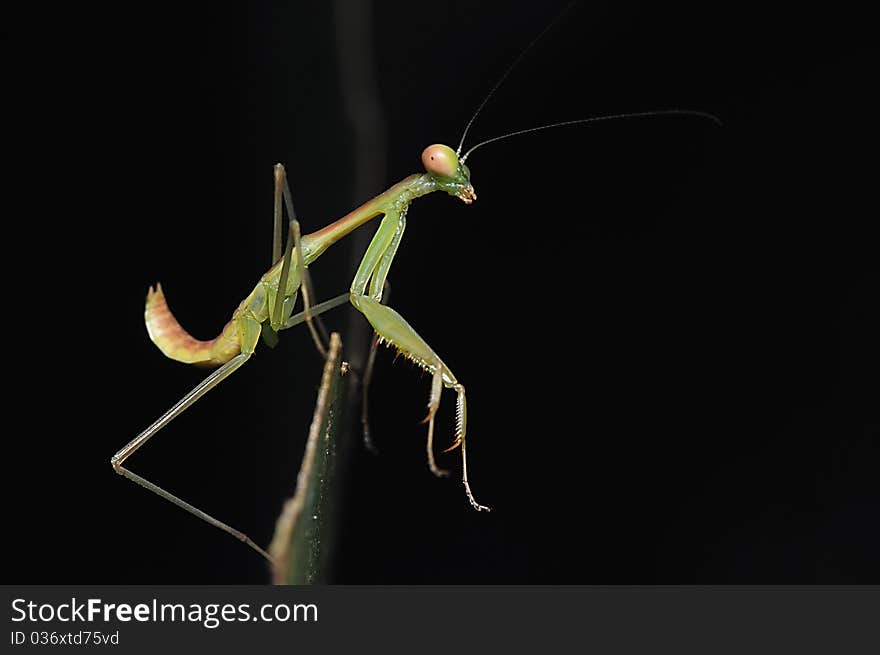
393 328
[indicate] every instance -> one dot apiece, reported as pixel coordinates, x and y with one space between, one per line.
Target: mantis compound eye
440 160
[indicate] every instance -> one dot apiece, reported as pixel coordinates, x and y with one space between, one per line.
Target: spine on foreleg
460 416
178 344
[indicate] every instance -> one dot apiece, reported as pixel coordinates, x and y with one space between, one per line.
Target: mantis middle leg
366 295
283 305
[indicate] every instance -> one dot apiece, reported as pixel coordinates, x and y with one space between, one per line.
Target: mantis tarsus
268 309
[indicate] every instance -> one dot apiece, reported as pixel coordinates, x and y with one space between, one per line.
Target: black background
667 330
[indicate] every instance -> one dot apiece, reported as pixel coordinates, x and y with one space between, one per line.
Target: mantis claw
455 444
474 503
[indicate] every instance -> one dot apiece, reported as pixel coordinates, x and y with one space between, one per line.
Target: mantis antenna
507 73
594 119
580 121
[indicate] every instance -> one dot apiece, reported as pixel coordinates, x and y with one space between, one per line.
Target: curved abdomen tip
175 342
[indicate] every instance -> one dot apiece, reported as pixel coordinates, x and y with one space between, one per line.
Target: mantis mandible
268 309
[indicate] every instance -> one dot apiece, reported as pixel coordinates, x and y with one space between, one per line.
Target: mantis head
449 172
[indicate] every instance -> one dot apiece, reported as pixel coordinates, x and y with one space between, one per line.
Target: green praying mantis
269 308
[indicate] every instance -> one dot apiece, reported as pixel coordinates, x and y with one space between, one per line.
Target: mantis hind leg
393 328
249 334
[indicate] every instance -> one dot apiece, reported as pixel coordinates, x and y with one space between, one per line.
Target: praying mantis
269 308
